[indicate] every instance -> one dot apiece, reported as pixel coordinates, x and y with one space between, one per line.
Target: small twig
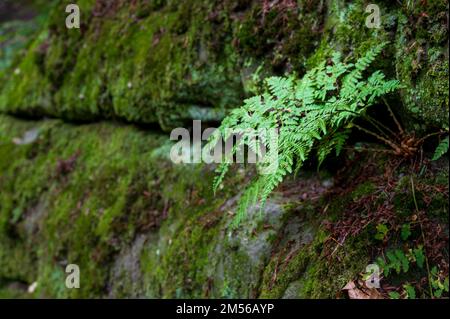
332 238
339 244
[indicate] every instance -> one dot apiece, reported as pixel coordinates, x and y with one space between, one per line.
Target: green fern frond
313 113
441 149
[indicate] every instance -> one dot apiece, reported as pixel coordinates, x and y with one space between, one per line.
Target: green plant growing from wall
400 262
439 285
441 149
314 114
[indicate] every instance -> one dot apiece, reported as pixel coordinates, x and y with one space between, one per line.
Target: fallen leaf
28 138
361 291
32 287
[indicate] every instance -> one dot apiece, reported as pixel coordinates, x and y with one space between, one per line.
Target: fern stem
395 147
428 136
369 118
370 150
400 128
375 124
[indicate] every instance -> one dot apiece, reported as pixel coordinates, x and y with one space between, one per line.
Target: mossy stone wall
105 196
168 62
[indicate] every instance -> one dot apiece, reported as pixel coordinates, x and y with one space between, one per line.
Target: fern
441 149
400 261
312 114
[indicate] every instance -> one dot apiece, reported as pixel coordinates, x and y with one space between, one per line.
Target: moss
275 287
429 191
23 87
321 268
155 59
112 188
418 35
313 270
143 67
76 215
422 63
178 267
88 192
13 291
200 255
153 63
87 201
362 190
325 279
283 34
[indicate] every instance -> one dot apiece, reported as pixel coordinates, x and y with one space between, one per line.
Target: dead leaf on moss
359 290
27 138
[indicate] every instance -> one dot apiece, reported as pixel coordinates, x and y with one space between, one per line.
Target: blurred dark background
19 23
18 10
